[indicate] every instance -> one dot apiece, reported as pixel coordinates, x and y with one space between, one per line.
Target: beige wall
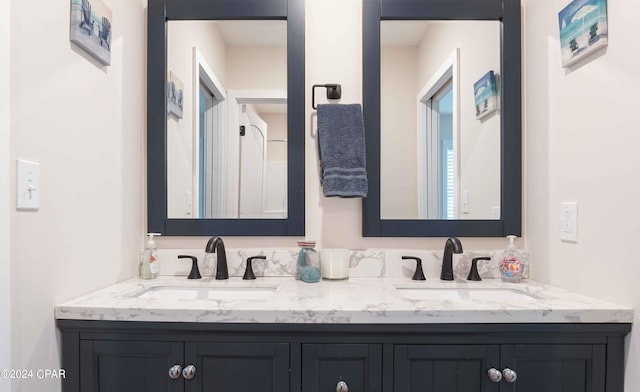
581 145
398 136
5 270
256 68
84 123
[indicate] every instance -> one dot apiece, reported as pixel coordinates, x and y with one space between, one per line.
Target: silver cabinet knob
342 387
494 375
175 371
509 375
189 372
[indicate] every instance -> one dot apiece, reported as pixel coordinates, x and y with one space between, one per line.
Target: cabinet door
123 366
555 368
358 365
450 368
223 367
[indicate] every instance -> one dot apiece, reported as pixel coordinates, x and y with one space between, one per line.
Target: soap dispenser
511 262
149 268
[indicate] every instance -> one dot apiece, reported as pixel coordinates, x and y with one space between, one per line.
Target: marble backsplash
372 263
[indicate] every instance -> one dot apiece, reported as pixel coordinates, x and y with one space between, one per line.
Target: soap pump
150 267
511 262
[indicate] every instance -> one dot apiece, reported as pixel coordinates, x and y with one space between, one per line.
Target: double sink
245 291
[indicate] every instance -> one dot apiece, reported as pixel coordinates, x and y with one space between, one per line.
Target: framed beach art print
486 95
583 29
91 28
175 96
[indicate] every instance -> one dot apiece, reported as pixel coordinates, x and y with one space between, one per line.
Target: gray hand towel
342 150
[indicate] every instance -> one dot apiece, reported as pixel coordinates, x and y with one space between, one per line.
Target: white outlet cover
28 187
569 222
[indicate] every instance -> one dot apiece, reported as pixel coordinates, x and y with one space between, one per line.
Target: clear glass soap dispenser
511 262
149 267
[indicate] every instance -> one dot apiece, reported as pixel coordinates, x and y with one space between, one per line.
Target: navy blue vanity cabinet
358 367
123 356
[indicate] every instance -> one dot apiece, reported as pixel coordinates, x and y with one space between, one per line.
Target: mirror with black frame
442 93
226 144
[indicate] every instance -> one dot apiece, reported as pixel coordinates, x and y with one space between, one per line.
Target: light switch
28 187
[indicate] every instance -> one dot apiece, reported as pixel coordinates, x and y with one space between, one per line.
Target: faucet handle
195 272
418 275
248 272
473 273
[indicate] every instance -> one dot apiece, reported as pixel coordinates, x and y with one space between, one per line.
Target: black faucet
216 245
418 275
452 245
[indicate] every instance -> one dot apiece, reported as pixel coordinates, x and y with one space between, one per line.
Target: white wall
84 123
582 138
5 270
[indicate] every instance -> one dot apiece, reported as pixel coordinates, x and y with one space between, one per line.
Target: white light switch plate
28 187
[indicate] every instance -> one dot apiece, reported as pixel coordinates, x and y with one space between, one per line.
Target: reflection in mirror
450 147
227 152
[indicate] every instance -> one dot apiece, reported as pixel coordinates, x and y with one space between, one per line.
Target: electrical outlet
569 221
465 202
188 203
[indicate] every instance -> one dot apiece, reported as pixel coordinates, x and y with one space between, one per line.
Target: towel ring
334 91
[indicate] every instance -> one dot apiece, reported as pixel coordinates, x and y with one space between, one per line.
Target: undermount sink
466 293
211 293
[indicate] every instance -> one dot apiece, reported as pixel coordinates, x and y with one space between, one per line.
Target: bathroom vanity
279 334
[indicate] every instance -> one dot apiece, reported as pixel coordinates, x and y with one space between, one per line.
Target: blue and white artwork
486 95
91 28
583 29
175 96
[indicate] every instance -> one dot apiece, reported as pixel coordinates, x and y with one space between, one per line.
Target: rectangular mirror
227 140
450 146
442 111
225 120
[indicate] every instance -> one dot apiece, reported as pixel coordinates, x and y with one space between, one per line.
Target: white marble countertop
357 300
